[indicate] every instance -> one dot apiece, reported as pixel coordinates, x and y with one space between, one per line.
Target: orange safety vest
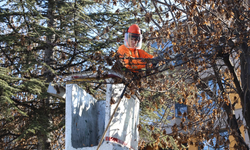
133 64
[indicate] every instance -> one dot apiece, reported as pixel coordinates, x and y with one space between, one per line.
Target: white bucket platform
87 118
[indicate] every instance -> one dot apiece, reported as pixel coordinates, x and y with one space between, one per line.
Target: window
214 144
180 108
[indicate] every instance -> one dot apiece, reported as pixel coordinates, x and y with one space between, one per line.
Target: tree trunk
43 143
245 83
43 139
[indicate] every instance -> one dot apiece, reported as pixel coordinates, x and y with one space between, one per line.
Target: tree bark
43 136
245 83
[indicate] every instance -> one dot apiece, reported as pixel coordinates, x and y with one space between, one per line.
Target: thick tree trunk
43 139
43 143
245 83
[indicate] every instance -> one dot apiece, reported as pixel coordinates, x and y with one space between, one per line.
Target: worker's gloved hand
154 62
159 63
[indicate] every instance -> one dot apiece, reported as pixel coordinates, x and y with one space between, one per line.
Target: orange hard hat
133 37
134 29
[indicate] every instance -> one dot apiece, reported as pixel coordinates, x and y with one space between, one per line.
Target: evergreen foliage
40 41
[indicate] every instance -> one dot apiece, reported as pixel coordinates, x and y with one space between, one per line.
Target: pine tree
40 41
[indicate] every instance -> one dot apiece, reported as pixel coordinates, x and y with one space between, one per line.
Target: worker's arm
123 52
144 54
131 62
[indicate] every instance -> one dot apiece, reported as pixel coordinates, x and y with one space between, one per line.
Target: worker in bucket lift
132 49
